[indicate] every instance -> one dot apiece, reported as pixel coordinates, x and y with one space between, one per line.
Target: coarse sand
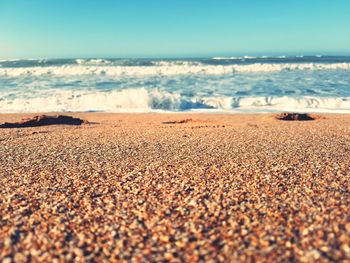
176 187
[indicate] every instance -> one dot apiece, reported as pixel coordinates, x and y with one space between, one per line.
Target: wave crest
167 69
142 100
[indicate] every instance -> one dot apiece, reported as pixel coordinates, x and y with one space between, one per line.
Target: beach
176 187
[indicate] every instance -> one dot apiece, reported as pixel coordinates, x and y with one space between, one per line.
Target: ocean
218 84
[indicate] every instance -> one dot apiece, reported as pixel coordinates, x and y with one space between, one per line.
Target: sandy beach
176 187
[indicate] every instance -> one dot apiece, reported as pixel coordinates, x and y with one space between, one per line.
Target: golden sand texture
151 187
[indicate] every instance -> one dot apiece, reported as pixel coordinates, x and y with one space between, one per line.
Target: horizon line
184 56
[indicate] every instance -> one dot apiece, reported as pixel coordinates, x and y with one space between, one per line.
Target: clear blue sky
153 28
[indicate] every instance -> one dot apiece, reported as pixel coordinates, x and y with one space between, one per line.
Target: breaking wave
164 68
230 84
143 100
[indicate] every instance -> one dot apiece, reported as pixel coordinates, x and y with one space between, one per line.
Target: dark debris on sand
288 116
178 122
44 120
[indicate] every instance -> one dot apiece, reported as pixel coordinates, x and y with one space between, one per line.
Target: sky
172 28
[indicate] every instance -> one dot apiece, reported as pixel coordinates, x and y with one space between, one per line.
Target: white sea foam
93 61
226 58
143 100
183 63
234 58
167 68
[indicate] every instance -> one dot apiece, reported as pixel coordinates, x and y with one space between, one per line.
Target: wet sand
176 187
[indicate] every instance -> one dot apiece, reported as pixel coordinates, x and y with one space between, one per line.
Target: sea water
219 84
